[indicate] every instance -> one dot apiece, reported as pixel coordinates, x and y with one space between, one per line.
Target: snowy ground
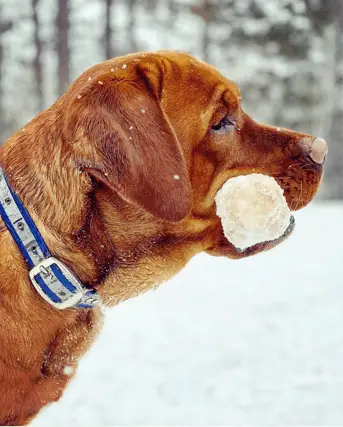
258 341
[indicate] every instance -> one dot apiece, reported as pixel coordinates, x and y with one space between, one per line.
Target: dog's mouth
226 248
263 245
300 185
289 229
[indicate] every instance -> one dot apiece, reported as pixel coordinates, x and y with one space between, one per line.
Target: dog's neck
67 206
42 173
85 225
54 192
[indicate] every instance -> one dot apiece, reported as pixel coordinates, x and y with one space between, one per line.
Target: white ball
252 209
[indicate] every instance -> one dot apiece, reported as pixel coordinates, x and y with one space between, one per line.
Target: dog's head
162 132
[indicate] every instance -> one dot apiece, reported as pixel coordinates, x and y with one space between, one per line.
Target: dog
119 176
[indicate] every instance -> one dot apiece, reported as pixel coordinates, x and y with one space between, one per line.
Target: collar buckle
60 287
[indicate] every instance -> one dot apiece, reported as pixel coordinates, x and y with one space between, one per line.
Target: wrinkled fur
120 176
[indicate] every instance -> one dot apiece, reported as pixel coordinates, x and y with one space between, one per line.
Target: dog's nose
318 150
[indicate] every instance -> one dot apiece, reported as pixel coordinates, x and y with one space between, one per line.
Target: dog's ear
137 152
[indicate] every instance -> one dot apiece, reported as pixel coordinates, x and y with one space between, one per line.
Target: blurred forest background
286 55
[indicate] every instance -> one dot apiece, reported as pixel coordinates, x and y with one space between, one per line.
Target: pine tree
108 29
5 25
62 45
37 62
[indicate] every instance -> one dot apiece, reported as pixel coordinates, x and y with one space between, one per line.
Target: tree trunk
131 26
62 45
4 27
206 34
334 174
173 12
37 64
206 12
108 30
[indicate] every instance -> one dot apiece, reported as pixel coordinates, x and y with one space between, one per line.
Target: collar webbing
52 279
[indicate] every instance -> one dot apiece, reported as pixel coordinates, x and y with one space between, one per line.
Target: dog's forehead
197 80
184 77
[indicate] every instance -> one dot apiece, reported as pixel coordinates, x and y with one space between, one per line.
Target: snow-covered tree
286 55
62 45
5 25
37 60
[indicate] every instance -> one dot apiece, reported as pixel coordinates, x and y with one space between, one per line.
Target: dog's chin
227 249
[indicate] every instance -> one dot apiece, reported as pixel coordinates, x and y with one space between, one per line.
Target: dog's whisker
305 165
300 195
274 173
293 165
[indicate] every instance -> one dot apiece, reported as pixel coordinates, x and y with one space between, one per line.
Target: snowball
252 209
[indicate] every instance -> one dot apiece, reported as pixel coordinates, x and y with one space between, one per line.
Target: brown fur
106 201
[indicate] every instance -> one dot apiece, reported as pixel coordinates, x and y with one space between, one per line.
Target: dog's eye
225 124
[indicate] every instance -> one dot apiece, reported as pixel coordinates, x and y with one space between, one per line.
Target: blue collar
52 279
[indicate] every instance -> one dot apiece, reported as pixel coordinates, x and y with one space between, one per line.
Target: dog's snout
317 149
